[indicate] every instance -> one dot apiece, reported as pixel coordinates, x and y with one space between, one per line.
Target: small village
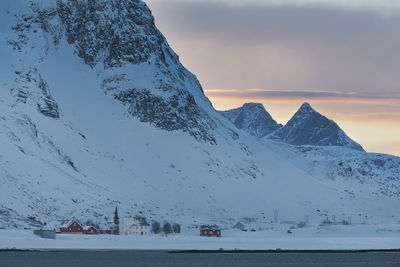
121 226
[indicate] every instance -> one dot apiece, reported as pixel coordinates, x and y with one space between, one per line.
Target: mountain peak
306 107
304 111
112 38
253 118
308 127
253 106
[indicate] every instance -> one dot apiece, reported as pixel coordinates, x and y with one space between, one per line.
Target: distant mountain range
306 127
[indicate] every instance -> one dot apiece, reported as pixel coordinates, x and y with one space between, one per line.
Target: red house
210 231
90 230
73 227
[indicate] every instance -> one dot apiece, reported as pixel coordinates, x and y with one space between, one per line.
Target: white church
130 226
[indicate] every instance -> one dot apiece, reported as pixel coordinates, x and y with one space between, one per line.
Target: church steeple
116 218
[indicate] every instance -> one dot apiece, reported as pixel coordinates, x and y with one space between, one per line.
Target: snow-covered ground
352 237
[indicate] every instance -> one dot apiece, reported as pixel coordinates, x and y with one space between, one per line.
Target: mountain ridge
100 31
253 118
306 127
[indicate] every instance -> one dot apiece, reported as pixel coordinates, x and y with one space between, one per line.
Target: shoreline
220 251
349 239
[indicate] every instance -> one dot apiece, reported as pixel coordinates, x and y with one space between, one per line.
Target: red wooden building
72 227
90 230
106 232
210 231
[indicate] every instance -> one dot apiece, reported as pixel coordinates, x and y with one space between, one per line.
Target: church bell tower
116 222
116 218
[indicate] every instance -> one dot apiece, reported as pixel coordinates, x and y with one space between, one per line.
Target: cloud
383 7
285 47
327 96
255 24
392 117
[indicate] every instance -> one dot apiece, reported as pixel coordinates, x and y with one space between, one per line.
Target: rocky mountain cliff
252 118
111 37
308 127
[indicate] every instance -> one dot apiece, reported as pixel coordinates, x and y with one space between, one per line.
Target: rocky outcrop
33 89
115 37
308 127
178 112
252 118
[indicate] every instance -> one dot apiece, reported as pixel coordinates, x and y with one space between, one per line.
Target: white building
129 226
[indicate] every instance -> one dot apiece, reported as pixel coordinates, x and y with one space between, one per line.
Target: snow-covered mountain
133 61
308 127
252 118
97 111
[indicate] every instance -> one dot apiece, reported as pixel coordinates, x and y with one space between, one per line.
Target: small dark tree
167 228
326 222
155 227
344 222
176 227
141 219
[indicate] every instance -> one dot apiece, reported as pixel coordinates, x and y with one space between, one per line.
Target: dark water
160 258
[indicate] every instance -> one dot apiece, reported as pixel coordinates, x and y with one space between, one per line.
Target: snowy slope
252 118
92 117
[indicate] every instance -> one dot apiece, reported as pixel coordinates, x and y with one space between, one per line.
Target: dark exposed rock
125 35
308 127
115 34
253 118
33 88
372 169
178 112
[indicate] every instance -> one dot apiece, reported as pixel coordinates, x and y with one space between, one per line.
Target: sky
341 56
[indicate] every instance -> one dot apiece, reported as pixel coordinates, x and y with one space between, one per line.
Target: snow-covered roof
52 225
88 227
210 227
68 223
239 225
131 222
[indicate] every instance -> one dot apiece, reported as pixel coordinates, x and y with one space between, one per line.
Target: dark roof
210 227
239 225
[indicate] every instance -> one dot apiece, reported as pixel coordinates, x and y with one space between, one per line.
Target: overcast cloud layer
286 47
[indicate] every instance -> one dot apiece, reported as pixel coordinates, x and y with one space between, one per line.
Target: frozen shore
358 237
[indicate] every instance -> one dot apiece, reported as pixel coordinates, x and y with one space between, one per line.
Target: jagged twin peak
253 118
306 127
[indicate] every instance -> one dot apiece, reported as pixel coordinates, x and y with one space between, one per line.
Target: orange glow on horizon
233 94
